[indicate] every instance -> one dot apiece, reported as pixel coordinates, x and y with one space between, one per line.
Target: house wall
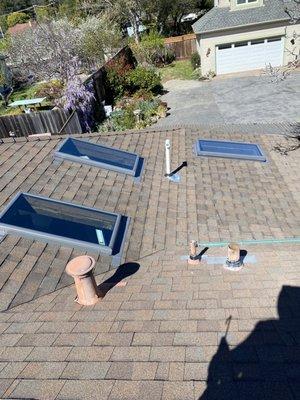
235 6
222 3
207 42
232 4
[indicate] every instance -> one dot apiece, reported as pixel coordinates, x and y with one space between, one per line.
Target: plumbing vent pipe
168 161
171 176
81 269
193 259
233 261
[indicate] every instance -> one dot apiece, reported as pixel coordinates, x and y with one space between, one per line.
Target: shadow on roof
121 273
264 366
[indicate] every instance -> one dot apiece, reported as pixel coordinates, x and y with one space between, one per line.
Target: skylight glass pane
99 156
64 223
60 219
216 148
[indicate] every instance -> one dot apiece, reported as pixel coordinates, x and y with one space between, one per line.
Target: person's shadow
266 366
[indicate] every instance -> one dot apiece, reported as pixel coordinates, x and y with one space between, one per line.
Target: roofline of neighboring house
243 25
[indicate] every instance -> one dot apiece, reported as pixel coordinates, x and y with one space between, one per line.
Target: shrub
168 56
2 78
123 119
17 18
148 107
144 78
195 60
52 90
143 94
150 50
116 77
3 23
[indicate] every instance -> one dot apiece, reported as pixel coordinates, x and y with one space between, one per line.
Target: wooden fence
183 46
102 90
51 121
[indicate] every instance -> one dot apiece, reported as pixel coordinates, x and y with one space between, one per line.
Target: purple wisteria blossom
79 96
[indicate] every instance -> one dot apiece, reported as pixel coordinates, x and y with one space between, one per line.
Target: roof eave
241 26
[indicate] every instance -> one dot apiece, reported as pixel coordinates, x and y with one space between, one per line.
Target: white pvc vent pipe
168 160
171 176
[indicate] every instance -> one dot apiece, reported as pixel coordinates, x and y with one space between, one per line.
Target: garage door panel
253 56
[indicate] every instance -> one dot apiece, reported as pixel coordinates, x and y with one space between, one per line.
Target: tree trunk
135 23
136 32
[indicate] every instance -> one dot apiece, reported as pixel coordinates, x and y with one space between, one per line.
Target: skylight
54 221
239 150
100 156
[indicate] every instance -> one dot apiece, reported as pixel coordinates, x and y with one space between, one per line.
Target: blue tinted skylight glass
60 219
217 148
63 223
99 156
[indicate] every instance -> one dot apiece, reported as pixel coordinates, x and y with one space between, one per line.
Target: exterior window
275 39
257 41
241 44
224 46
239 2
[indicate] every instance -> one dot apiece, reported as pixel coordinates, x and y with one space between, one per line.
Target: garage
249 55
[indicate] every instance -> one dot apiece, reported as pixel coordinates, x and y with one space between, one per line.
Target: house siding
207 42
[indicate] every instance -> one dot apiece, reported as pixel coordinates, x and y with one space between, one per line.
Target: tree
17 18
44 51
163 13
8 6
154 13
99 37
68 8
47 50
124 11
292 8
3 24
277 74
43 13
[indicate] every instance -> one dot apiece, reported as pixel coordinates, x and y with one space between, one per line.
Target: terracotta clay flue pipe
81 269
193 257
234 261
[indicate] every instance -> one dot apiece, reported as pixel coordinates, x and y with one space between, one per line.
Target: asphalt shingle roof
159 334
217 200
219 18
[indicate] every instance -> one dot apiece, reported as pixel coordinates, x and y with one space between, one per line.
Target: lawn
28 92
178 70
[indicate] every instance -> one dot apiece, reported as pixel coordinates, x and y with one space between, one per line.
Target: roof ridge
37 138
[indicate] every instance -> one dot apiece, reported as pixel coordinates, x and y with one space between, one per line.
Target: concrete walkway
235 100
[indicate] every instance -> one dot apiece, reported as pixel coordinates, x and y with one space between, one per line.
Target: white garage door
245 56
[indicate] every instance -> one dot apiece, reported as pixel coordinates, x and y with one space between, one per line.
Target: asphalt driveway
235 100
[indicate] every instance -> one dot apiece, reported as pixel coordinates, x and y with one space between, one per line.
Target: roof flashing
229 149
63 223
100 156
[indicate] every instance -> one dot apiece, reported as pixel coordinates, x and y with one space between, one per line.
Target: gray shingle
223 18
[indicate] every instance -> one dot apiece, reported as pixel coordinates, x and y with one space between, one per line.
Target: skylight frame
135 172
6 229
200 152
